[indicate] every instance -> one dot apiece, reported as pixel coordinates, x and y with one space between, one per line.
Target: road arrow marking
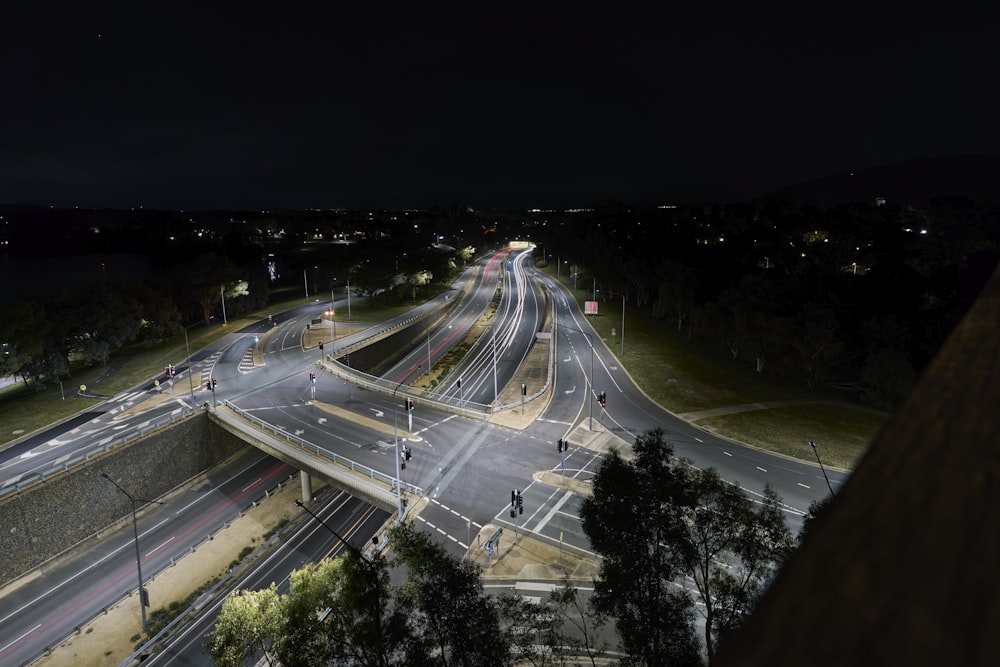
322 420
299 431
378 413
570 391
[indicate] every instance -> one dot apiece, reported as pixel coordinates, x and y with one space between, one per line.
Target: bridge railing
319 452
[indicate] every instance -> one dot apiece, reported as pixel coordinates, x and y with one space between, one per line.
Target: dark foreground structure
904 566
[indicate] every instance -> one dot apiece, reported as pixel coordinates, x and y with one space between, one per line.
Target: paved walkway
745 407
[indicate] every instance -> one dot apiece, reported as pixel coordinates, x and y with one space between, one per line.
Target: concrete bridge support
307 487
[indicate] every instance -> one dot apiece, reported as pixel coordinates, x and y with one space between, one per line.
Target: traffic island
528 557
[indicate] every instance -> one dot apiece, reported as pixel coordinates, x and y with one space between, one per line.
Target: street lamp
395 437
368 566
590 381
143 596
816 452
187 348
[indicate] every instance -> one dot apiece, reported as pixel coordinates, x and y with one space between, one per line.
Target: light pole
187 348
222 292
623 324
333 323
590 380
496 393
143 596
369 567
816 452
395 437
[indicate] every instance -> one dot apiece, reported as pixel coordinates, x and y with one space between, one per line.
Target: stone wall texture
61 512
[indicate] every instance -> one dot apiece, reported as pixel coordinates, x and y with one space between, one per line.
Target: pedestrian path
745 407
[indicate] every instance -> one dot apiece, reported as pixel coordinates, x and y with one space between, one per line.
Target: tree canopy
667 532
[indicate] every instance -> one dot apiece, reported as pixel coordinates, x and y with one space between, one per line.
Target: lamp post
143 597
496 393
368 566
350 547
623 324
590 381
816 452
333 323
187 348
222 292
395 438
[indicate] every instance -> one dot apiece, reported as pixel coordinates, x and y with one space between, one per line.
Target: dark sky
295 105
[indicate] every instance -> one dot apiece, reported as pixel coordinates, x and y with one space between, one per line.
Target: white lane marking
760 469
552 512
804 486
727 454
159 547
4 648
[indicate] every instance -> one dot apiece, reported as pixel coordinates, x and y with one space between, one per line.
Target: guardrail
131 660
331 365
319 452
100 449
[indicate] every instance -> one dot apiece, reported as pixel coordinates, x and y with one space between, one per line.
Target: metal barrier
333 457
62 467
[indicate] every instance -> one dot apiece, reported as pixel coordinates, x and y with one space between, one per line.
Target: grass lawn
689 376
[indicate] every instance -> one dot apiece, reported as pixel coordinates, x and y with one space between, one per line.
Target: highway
467 467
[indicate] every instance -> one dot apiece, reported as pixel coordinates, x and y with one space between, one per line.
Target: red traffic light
321 345
214 382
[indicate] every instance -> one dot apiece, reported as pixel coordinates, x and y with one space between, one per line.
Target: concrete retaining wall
53 516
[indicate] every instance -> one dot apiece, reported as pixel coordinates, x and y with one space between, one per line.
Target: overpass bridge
373 486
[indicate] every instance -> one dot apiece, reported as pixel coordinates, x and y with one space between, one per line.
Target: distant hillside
916 182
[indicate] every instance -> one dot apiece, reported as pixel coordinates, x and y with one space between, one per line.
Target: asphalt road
468 468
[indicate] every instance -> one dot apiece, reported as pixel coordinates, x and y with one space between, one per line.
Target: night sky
295 105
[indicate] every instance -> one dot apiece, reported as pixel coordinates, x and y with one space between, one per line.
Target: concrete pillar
307 487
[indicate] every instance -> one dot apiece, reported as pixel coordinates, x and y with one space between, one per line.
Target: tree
24 330
341 609
733 548
249 624
346 611
631 519
207 277
656 520
453 621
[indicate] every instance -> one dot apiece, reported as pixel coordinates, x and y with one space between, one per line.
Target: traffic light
214 382
409 405
321 346
520 504
603 398
166 370
312 378
208 385
408 453
563 445
513 503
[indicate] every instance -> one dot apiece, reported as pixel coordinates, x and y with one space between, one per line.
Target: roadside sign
494 540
